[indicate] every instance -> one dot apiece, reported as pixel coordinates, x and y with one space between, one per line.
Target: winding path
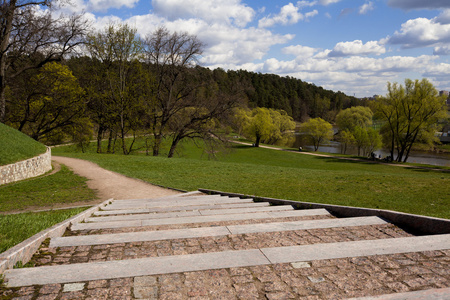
109 184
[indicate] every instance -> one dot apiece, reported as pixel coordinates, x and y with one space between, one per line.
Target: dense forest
301 100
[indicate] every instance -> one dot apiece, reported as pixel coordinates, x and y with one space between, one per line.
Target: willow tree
317 130
31 35
409 113
266 125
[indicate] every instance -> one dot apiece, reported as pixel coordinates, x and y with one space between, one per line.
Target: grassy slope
17 228
61 187
292 176
16 146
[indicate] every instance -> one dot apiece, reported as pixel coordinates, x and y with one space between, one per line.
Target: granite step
147 236
219 260
177 202
179 208
199 219
207 212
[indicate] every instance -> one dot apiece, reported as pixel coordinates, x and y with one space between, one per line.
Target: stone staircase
194 246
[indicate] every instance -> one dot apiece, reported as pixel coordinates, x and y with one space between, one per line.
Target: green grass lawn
287 175
18 227
61 187
16 146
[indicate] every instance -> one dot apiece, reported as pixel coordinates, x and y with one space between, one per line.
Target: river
420 157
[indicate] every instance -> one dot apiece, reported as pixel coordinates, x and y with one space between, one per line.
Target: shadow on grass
346 160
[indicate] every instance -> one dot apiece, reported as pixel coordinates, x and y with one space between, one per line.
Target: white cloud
104 5
421 32
442 50
213 11
328 2
289 14
299 51
419 4
366 7
444 17
357 48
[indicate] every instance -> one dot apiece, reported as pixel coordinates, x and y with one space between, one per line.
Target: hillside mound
16 146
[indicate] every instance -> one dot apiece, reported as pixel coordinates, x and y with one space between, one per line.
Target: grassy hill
16 146
288 175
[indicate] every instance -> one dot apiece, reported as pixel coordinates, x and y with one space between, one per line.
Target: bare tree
169 57
26 32
118 47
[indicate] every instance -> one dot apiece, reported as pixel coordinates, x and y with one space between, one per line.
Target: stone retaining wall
24 169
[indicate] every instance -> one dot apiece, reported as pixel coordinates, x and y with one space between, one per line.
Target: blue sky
353 46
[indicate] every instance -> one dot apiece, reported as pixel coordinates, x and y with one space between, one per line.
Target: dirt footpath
110 184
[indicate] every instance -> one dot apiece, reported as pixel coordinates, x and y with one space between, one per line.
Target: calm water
428 158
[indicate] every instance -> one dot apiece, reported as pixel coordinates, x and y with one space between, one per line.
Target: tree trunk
156 145
258 139
110 142
173 146
100 131
2 99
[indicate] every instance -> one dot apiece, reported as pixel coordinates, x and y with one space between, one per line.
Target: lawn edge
410 222
24 251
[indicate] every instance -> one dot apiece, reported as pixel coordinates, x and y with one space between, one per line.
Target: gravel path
110 184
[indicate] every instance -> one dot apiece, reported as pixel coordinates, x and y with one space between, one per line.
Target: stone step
220 260
177 202
179 208
146 236
200 219
168 199
432 294
190 213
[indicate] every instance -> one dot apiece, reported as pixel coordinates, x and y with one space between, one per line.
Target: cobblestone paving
322 279
194 225
82 254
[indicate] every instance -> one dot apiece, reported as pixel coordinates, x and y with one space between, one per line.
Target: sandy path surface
110 184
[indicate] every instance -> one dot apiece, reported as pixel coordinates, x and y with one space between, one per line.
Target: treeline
301 100
127 86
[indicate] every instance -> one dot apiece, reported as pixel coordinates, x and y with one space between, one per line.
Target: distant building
446 93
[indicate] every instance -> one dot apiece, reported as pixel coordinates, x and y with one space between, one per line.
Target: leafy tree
318 130
119 48
354 128
49 105
409 113
354 116
346 138
267 125
30 38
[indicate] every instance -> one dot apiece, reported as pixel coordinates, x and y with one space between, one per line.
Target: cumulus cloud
361 75
442 50
213 11
444 17
289 14
421 32
419 4
357 48
104 5
300 51
366 7
328 2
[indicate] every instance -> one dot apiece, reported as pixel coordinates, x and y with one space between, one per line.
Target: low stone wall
24 169
416 223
